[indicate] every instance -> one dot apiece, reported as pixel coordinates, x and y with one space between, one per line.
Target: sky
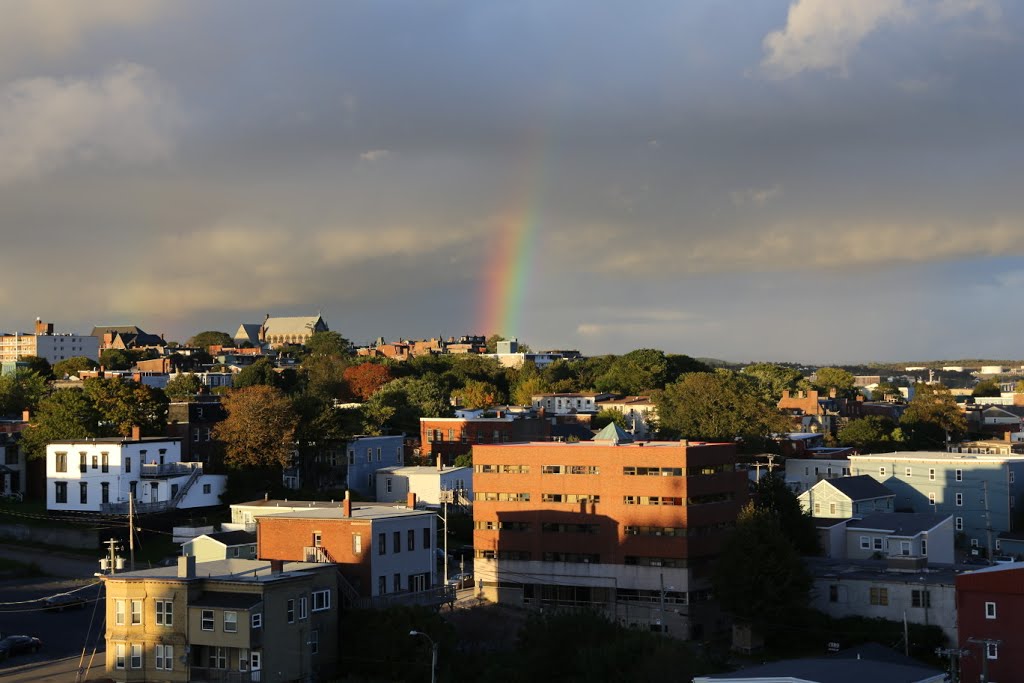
822 181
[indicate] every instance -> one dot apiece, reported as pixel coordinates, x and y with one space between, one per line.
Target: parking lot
63 633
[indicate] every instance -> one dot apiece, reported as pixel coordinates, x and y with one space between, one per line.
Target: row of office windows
570 469
908 472
369 455
677 471
60 491
501 469
438 436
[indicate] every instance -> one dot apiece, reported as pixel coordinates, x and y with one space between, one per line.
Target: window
379 452
128 465
257 619
382 585
920 598
60 492
81 462
398 456
879 596
833 593
207 489
321 600
959 499
1011 476
164 613
865 542
289 611
136 661
119 656
95 462
83 492
817 508
974 543
382 544
396 583
314 641
991 651
61 465
105 463
303 607
931 498
959 475
104 492
369 455
218 658
397 544
411 538
881 471
877 543
165 657
357 544
990 610
230 622
387 484
832 508
119 612
924 547
136 612
959 523
426 539
931 474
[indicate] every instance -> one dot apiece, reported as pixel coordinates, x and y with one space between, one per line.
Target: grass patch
13 569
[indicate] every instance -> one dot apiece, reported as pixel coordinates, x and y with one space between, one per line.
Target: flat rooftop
249 571
364 511
939 456
116 439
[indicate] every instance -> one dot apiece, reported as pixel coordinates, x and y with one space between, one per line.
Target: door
255 664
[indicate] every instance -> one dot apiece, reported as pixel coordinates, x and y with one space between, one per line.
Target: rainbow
507 272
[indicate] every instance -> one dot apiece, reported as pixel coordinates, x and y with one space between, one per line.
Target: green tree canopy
771 495
123 404
526 389
870 433
116 359
204 340
70 367
986 387
717 406
38 365
399 405
774 379
841 380
475 395
606 417
183 387
636 372
759 577
932 417
261 372
327 343
22 391
64 414
259 430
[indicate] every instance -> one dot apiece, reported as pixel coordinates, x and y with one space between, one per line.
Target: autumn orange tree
259 431
366 378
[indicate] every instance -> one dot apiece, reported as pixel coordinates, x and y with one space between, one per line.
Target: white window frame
931 474
135 662
990 610
119 613
289 611
314 641
865 543
204 620
931 498
119 656
991 650
231 621
958 523
881 471
959 500
959 475
136 613
303 608
165 613
321 600
165 657
257 619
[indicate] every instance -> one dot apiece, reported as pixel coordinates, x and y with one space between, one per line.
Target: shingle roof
899 523
860 487
613 433
293 325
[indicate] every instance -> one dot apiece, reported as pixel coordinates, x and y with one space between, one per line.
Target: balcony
171 469
205 675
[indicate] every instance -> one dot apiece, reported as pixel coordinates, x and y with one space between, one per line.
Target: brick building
451 437
626 528
990 607
193 423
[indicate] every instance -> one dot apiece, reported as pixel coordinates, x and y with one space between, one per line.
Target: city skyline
808 180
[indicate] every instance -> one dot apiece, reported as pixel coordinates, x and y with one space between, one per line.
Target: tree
116 359
465 459
261 372
932 417
717 406
987 387
827 379
884 389
205 340
183 387
259 430
324 376
1018 388
476 395
365 379
869 433
65 414
399 405
327 343
37 365
759 577
771 495
606 417
124 404
774 379
72 366
22 391
526 389
636 372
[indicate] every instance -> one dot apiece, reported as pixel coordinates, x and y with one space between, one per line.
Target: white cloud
127 115
375 155
755 196
54 27
823 35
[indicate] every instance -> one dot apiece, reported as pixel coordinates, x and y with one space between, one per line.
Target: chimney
440 462
832 392
410 500
276 566
136 432
785 394
346 505
27 414
187 567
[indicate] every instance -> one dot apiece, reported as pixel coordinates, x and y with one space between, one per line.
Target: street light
433 656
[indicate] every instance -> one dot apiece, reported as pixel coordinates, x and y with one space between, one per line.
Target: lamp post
433 656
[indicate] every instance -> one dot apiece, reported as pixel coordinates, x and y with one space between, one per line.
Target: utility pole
131 530
985 643
906 635
954 655
112 562
988 521
661 604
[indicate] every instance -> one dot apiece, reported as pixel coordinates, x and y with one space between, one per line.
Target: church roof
613 433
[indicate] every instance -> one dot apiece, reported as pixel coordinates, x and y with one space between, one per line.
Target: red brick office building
628 528
990 622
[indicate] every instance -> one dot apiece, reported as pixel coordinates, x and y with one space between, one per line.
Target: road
56 671
54 563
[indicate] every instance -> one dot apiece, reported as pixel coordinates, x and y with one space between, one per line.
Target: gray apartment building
980 491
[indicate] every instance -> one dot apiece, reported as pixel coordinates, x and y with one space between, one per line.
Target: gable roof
230 538
249 332
859 487
613 433
295 324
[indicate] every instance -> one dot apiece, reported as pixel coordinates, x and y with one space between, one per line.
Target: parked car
59 603
460 581
16 645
